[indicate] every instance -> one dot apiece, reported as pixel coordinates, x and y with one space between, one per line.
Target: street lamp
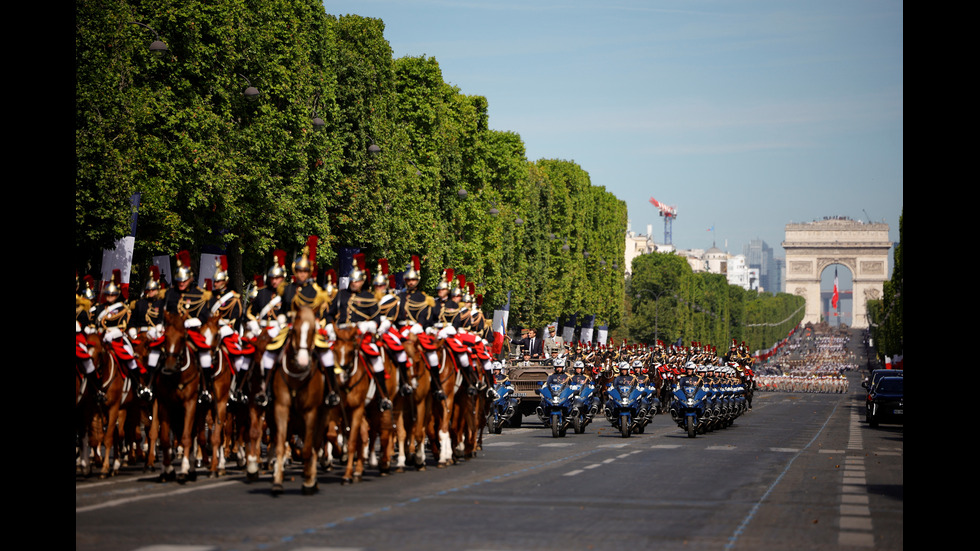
157 45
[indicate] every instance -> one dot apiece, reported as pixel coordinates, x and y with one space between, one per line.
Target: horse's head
302 339
174 350
346 345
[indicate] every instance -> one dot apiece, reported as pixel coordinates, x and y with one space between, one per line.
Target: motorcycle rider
559 377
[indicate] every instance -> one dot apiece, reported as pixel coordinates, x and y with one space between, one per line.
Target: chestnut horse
412 413
178 380
251 417
214 417
439 425
88 425
357 390
298 386
119 387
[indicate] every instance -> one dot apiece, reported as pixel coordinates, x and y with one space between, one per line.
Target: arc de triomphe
862 247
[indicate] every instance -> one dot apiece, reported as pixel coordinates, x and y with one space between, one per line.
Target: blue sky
744 115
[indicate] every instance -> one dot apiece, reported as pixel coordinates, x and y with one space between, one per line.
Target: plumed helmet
381 276
470 295
414 271
153 282
221 269
278 268
184 271
88 287
358 272
447 277
114 288
306 261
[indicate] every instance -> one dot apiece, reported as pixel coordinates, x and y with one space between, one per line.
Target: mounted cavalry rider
358 306
226 305
263 316
111 319
459 339
443 322
415 315
147 322
187 299
389 307
83 306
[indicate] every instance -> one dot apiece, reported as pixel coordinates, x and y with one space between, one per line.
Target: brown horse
298 387
213 418
412 413
119 386
250 418
357 391
468 414
381 424
439 425
178 380
88 424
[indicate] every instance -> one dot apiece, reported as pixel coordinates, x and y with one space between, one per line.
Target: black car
877 375
886 402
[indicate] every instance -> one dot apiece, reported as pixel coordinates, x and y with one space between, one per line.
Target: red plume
332 276
155 272
416 264
359 260
311 243
472 287
384 265
224 262
280 256
449 275
479 301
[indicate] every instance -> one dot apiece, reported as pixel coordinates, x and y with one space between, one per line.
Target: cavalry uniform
83 305
226 306
111 319
358 306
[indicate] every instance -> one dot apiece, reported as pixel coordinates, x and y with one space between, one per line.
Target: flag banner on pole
119 258
500 326
569 331
588 323
166 274
836 297
603 334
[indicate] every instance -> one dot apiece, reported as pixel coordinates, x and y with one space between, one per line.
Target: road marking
785 450
573 473
501 444
123 501
592 466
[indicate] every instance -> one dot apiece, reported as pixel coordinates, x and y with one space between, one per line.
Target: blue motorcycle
502 408
556 406
625 408
689 409
585 406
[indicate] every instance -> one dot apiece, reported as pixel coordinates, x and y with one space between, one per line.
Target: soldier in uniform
304 292
554 344
146 323
357 305
389 308
188 299
263 316
83 306
111 319
416 316
226 305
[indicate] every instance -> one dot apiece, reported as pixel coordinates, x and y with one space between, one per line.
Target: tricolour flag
500 327
836 297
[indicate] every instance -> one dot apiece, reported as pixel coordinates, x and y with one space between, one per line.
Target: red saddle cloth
236 346
428 342
392 340
368 346
81 347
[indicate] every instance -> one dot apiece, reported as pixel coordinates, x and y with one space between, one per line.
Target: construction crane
669 213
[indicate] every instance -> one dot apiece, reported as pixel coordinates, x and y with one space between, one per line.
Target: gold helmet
153 283
306 261
221 269
447 277
184 270
381 275
359 272
114 288
413 271
278 268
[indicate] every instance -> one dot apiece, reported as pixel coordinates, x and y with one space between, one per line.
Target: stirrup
406 390
332 399
205 398
386 404
438 393
262 399
145 394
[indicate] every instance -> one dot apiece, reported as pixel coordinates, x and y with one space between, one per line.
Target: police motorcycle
689 407
626 407
557 398
504 404
586 403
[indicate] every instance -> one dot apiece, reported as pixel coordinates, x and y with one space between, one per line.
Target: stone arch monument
861 247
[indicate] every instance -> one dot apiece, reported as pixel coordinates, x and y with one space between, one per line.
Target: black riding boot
379 378
406 386
206 392
436 383
262 396
332 399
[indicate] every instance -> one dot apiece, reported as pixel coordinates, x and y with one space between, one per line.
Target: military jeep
527 377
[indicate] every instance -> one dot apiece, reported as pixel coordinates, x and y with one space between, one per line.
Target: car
886 402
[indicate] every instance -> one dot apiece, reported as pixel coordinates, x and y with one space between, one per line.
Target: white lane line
124 501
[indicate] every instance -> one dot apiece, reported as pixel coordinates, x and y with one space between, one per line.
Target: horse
413 412
381 424
213 417
178 381
439 424
250 418
298 387
88 425
120 400
357 390
468 413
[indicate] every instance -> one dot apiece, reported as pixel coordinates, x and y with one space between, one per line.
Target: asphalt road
799 471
